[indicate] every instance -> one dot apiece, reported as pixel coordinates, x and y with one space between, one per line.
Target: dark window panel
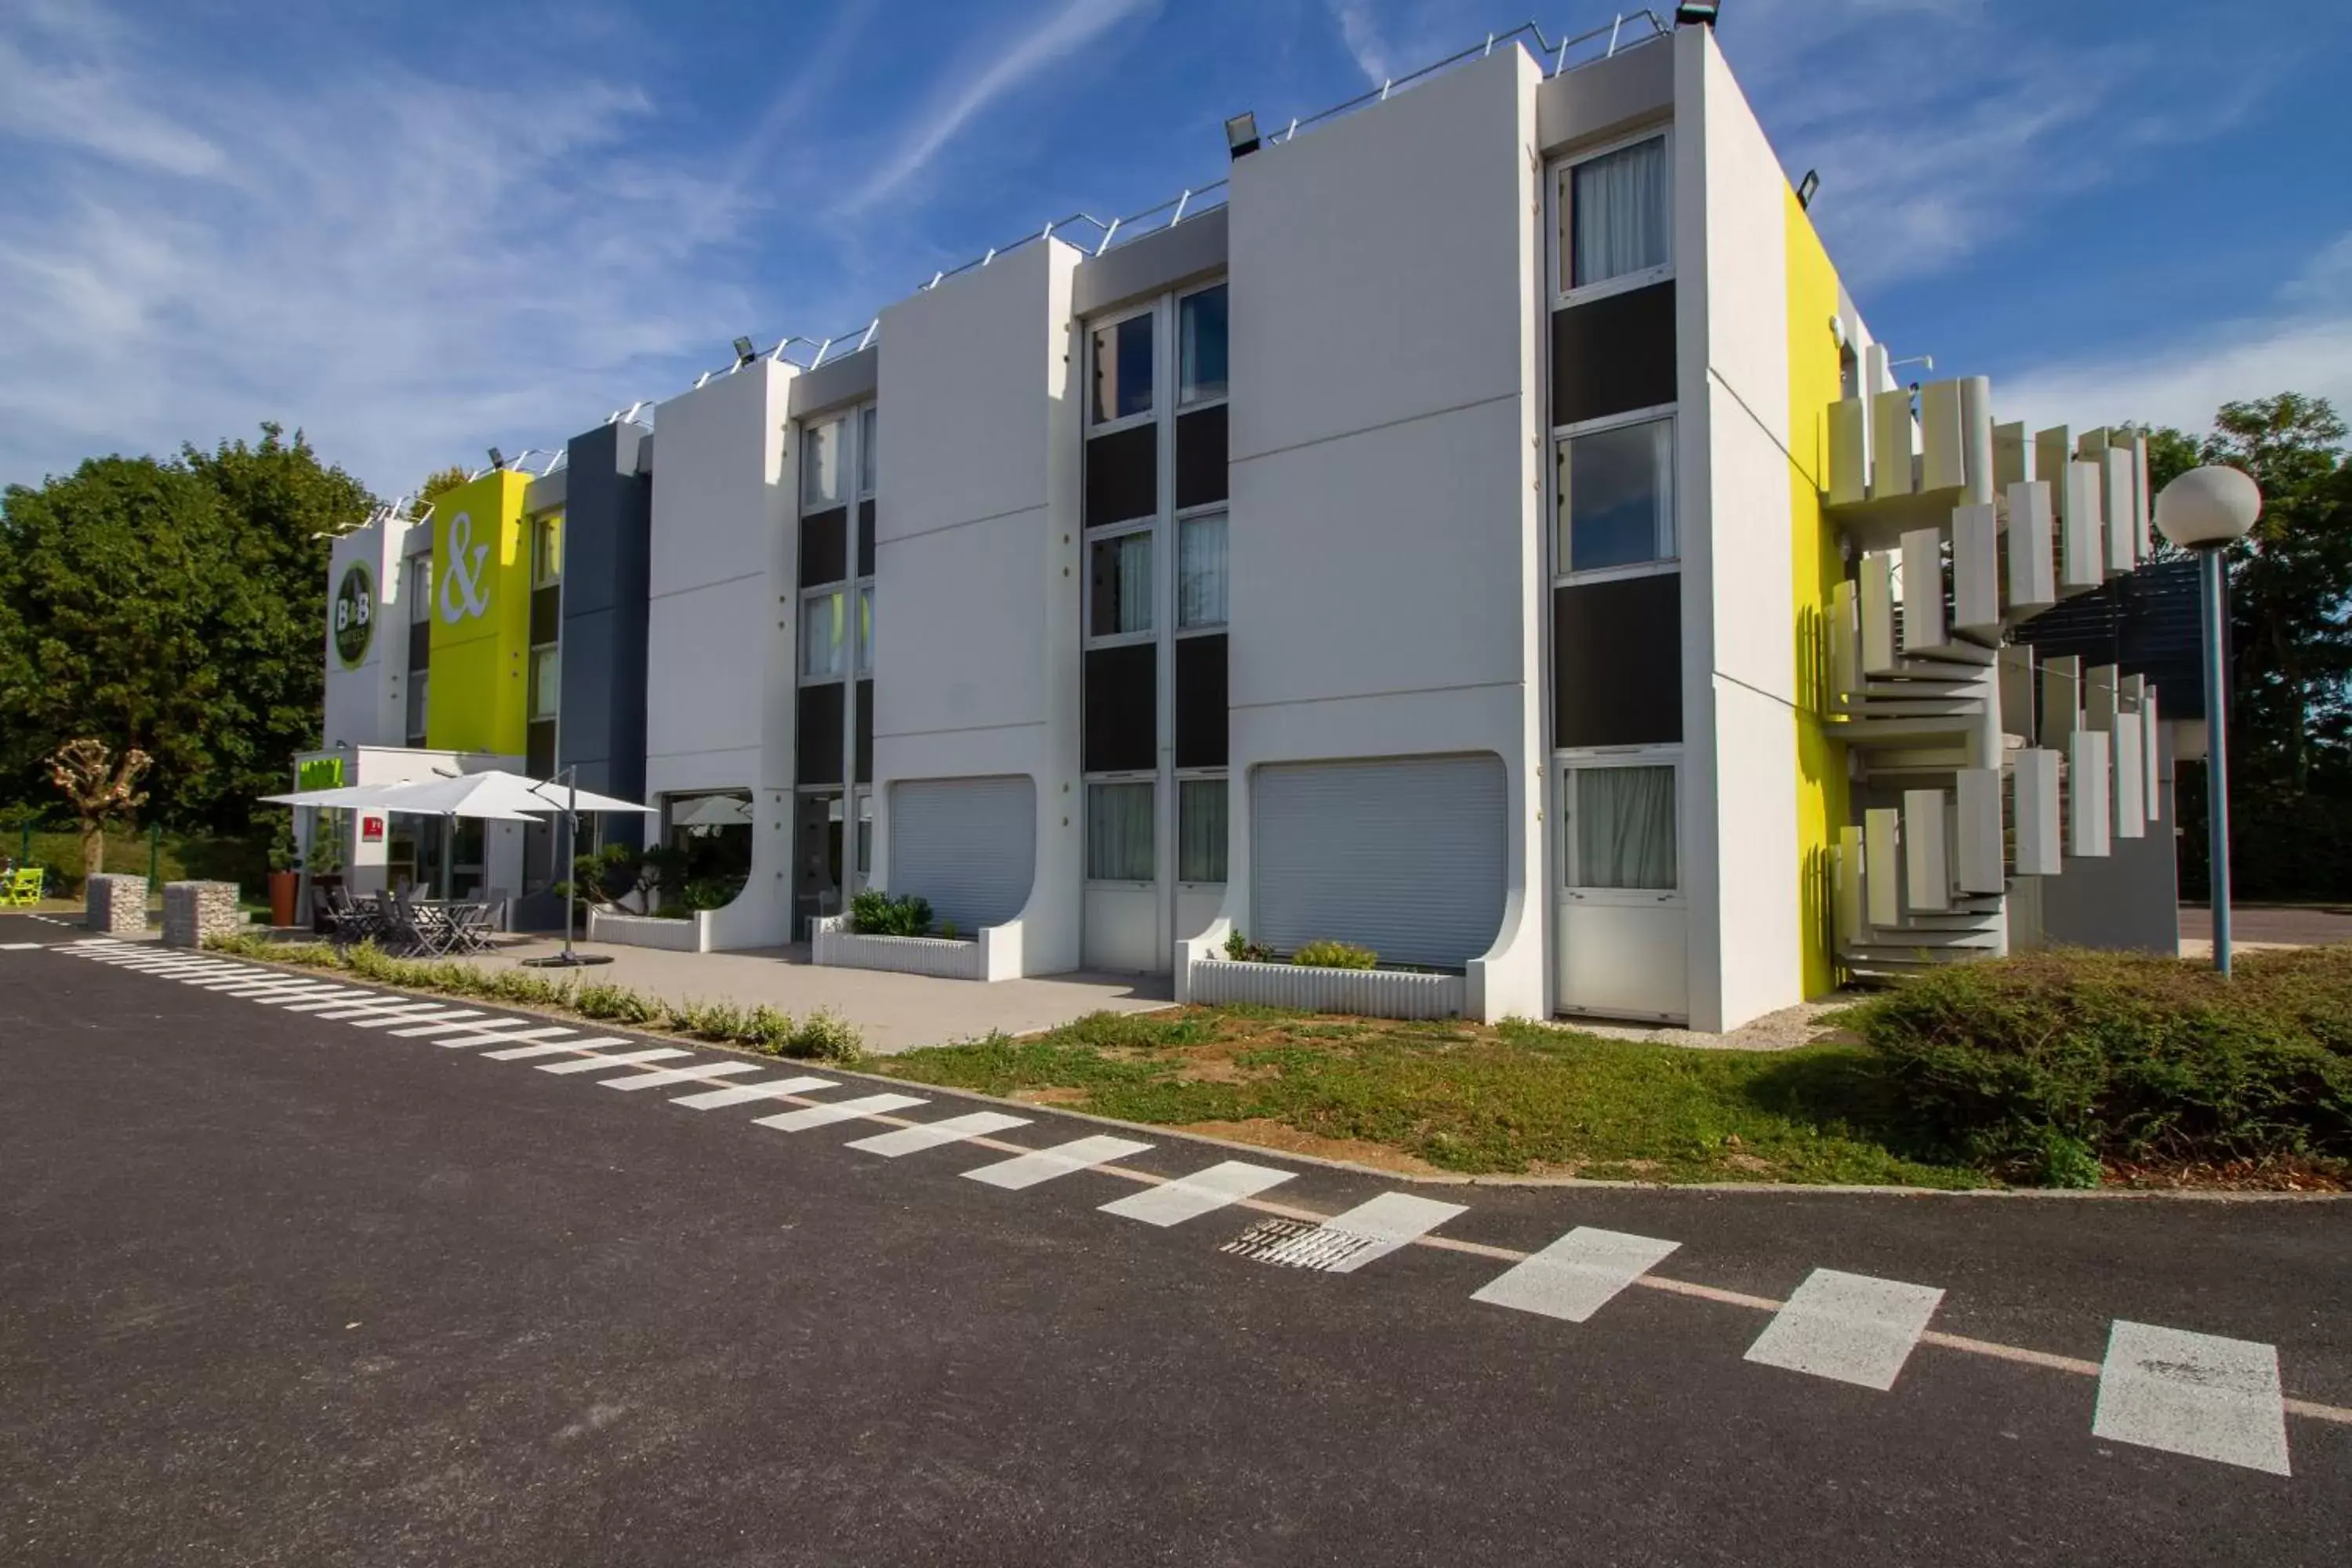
1617 662
824 547
539 748
1201 456
420 644
546 615
1123 475
866 539
1201 702
1122 708
864 732
1613 354
819 730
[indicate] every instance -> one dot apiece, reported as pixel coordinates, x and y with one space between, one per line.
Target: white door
1623 924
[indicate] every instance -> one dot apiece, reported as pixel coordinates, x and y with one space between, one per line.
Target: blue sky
417 229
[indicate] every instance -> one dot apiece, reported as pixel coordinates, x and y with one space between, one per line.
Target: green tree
175 607
438 483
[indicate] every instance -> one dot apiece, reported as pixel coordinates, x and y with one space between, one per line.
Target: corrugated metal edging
1373 992
835 948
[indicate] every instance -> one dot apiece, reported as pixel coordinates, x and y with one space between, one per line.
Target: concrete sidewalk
893 1011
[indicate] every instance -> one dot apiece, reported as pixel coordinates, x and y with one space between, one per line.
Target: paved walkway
894 1012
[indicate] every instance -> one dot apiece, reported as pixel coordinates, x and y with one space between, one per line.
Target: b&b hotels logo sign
463 577
354 614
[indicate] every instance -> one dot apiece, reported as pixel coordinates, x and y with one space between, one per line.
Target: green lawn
1518 1099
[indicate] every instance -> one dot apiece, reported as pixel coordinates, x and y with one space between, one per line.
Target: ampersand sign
465 572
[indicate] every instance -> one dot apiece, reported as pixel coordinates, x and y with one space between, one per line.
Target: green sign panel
354 613
320 773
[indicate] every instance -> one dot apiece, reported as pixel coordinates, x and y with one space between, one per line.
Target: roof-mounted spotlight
1696 13
1807 186
1240 134
497 459
744 353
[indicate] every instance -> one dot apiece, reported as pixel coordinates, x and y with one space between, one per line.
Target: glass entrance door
1623 923
817 866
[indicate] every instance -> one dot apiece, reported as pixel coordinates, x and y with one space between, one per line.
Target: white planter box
689 935
1373 993
834 944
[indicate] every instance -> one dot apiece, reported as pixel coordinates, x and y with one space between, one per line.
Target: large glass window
546 672
1119 585
420 588
1119 832
822 457
1200 830
1122 362
1201 345
1620 827
1616 214
865 629
417 681
546 550
825 636
1616 497
1201 571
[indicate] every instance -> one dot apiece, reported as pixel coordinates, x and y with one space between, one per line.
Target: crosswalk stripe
1346 1242
415 1012
307 993
661 1078
234 980
426 1031
555 1048
2200 1395
1202 1192
274 986
1576 1276
626 1059
488 1035
839 1110
22 946
445 1016
317 1007
932 1134
1850 1327
743 1093
1061 1159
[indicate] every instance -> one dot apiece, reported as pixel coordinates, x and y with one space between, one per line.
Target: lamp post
2206 510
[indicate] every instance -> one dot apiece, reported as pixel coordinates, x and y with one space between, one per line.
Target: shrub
1324 954
877 913
2043 1065
1241 950
615 1004
826 1036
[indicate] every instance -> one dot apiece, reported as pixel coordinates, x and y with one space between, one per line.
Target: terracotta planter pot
282 887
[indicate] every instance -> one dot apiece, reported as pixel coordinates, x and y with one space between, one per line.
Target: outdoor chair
466 929
416 927
351 920
22 889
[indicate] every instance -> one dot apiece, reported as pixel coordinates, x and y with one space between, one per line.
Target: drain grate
1296 1243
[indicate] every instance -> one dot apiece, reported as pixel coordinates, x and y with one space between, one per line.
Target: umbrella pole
571 855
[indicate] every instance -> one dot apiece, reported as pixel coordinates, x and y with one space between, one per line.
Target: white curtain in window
820 458
1620 215
1134 583
1200 830
1624 827
824 646
1200 572
1119 832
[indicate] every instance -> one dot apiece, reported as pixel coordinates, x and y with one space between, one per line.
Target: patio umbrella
417 797
713 811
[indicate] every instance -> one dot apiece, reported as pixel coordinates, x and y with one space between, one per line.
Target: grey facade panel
1156 262
1606 99
968 846
1401 854
849 379
607 561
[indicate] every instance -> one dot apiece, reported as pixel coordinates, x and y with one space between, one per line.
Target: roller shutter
967 844
1403 855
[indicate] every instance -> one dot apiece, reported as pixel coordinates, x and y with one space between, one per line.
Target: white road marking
932 1134
1061 1159
839 1110
524 1053
741 1093
235 980
625 1058
414 1012
1372 1229
487 1035
1849 1327
22 946
306 994
1576 1276
446 1015
2200 1395
277 985
661 1078
1202 1192
380 997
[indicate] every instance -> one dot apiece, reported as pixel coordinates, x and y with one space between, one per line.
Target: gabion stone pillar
116 905
194 910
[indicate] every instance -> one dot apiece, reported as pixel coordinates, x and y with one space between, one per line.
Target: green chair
23 889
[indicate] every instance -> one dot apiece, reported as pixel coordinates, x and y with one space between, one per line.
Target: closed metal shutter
968 846
1404 856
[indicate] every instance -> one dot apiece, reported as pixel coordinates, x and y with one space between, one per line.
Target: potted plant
285 869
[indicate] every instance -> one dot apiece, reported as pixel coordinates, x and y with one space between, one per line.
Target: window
1616 214
865 834
825 636
1119 832
546 669
1620 823
867 419
1616 497
1200 572
1122 359
1119 585
1200 346
420 588
865 629
1200 830
820 464
417 679
546 550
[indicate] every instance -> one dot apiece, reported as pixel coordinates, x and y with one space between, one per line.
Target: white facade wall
977 580
719 682
363 701
1385 555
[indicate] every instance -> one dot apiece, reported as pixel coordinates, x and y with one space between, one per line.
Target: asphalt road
278 1289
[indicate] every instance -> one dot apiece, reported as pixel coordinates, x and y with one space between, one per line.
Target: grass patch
821 1035
1518 1099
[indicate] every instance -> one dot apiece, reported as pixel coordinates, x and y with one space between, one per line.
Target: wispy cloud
1050 39
1359 30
